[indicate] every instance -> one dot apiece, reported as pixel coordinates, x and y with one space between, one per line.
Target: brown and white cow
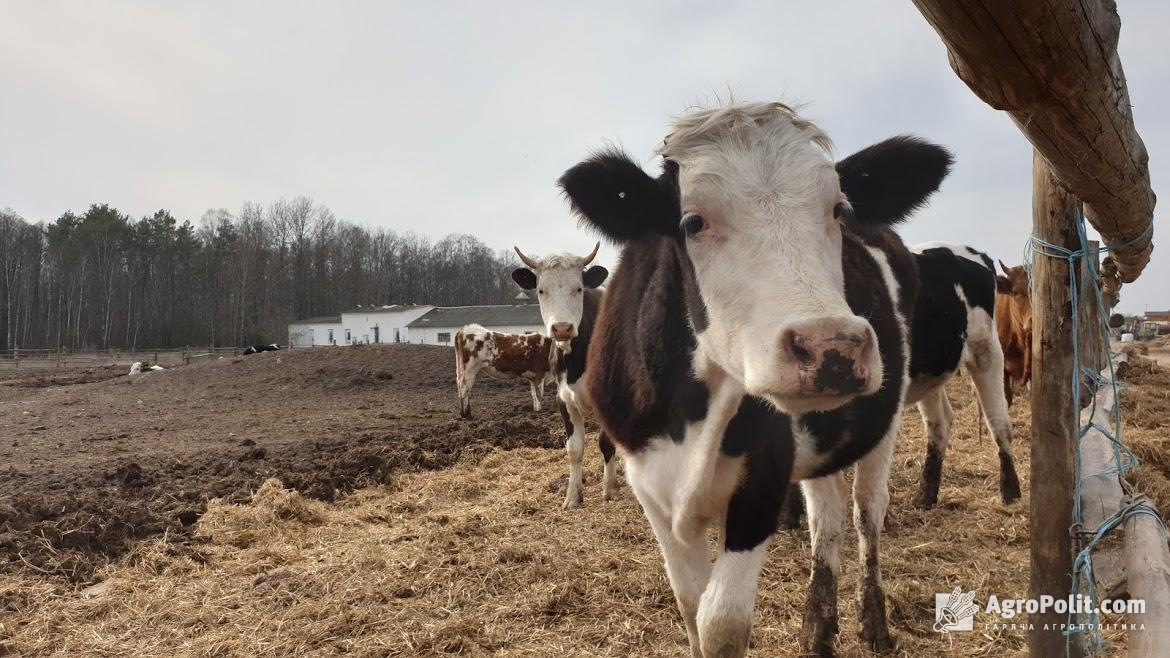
756 333
503 356
1013 322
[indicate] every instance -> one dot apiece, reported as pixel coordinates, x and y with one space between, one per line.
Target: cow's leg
537 394
998 423
793 508
688 567
575 446
871 499
825 501
936 417
609 476
467 381
729 601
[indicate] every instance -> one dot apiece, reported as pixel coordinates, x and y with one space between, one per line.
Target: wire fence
49 359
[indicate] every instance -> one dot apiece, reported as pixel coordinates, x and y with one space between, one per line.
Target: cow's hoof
924 501
573 502
1011 494
609 496
882 643
817 637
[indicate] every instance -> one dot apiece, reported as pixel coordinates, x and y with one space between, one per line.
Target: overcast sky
443 117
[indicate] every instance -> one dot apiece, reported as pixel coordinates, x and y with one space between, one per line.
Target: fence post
1092 342
16 357
186 359
1054 216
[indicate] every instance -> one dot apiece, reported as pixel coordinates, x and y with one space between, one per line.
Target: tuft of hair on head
886 182
611 193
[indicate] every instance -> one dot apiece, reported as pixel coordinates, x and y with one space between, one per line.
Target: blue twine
1082 576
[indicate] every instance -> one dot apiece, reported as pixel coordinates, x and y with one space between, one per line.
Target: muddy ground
94 460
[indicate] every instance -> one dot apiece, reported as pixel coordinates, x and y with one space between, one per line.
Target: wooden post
1147 569
1054 213
1092 341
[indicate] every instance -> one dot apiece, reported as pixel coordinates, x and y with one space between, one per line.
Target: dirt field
110 547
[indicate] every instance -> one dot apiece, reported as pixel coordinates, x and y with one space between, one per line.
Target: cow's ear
889 180
595 276
1003 284
612 193
524 277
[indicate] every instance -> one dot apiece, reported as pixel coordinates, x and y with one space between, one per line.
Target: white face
561 293
766 247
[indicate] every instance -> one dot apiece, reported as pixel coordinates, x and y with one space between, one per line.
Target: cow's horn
527 261
593 254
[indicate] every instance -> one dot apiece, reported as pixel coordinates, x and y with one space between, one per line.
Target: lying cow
1013 321
756 333
569 296
253 349
503 356
139 367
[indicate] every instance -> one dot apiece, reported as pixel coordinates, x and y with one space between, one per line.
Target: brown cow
1013 321
503 356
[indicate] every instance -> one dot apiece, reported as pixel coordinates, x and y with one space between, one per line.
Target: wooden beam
1053 214
1147 570
1053 66
1101 492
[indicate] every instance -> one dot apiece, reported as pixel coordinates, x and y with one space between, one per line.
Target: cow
139 367
955 325
503 356
569 292
756 333
1013 320
255 349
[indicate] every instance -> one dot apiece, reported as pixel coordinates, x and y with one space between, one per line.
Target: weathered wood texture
1092 326
1053 431
1147 570
1101 492
1053 66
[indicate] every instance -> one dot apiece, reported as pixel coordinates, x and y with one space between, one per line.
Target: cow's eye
541 291
579 290
692 224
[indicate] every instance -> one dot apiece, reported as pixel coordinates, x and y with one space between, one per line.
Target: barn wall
430 335
361 325
309 335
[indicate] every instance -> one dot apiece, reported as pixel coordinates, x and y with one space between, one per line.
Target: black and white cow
756 333
255 349
569 297
954 326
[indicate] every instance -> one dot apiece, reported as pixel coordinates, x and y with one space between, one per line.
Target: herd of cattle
765 326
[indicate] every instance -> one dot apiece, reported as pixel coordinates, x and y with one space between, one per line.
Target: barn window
445 337
331 337
347 335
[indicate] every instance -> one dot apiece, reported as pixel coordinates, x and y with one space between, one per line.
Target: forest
104 280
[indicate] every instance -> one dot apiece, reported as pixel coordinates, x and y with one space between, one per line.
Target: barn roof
489 316
387 308
324 319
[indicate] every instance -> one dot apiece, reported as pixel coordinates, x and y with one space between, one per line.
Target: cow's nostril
795 343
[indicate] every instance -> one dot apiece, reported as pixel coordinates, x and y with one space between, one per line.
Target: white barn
438 327
368 324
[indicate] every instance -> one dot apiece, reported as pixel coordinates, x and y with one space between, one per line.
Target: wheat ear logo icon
958 608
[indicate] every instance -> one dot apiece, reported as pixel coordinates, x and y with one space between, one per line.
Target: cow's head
751 194
560 281
1013 283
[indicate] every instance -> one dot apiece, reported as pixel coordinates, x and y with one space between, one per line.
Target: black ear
1003 284
524 277
595 276
889 180
611 192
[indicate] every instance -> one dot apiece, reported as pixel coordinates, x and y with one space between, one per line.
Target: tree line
102 280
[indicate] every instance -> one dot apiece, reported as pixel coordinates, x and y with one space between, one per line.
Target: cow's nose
562 331
830 358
